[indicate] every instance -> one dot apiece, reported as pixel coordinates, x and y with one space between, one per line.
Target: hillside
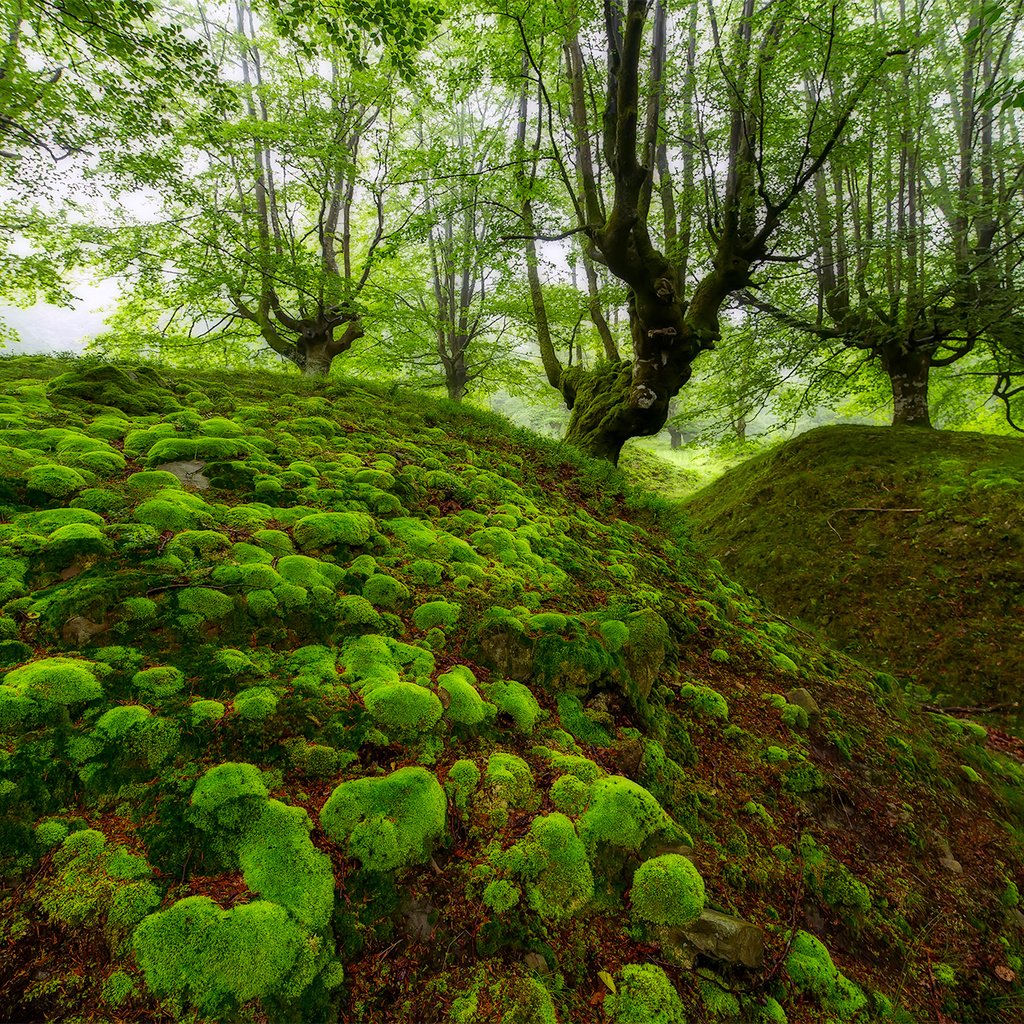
905 547
326 703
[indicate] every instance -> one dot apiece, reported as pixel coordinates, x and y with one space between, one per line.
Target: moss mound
904 546
404 715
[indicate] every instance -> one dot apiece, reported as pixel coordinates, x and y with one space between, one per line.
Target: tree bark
908 376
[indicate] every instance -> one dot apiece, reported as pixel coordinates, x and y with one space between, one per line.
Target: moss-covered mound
904 546
317 704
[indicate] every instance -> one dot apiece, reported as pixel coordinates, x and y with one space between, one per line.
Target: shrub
389 822
668 890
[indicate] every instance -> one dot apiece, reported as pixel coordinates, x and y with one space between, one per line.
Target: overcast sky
46 328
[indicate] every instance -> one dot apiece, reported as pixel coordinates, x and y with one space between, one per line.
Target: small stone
803 699
946 858
80 630
190 473
723 937
535 962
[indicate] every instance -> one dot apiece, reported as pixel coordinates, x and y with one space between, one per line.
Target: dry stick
866 508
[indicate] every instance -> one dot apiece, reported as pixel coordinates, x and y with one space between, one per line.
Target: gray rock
190 473
726 938
803 699
946 858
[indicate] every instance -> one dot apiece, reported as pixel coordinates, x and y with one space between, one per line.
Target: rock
535 962
803 699
80 630
946 858
502 647
417 921
628 756
190 473
726 938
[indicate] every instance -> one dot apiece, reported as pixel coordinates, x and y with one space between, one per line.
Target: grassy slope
111 816
819 529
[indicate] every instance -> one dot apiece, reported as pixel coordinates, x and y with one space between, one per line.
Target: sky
47 328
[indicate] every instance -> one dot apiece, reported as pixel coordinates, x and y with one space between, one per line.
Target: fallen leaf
1005 974
607 979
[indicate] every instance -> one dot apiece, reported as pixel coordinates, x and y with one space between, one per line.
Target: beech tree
755 170
916 249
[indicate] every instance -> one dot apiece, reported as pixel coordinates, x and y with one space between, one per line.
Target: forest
539 536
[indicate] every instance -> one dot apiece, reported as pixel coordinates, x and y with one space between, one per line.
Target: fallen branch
865 508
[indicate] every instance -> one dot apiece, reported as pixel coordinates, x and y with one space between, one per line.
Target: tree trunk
317 346
455 377
675 438
908 375
314 359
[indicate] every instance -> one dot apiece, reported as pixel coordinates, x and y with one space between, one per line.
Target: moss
384 591
720 655
644 995
354 612
174 511
622 814
464 705
389 822
969 773
463 778
215 960
193 545
812 971
160 682
576 721
118 988
315 761
515 700
403 707
54 481
668 890
570 795
278 861
202 712
187 449
256 704
719 1002
328 529
554 867
436 614
528 1002
228 795
76 540
706 702
1011 896
423 571
276 542
501 896
63 681
205 602
51 833
510 778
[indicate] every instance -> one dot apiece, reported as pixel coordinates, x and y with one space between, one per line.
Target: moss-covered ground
329 703
905 547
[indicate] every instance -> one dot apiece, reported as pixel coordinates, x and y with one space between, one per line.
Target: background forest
807 208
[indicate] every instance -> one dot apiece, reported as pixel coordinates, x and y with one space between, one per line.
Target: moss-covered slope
320 703
905 546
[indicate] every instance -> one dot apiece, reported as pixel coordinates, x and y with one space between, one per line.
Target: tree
769 50
277 215
917 258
